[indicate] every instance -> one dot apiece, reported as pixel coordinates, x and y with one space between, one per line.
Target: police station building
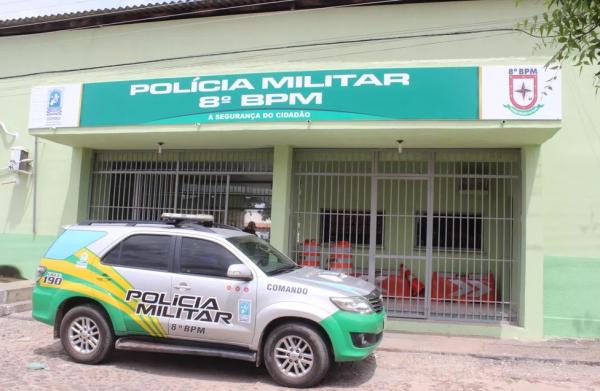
423 146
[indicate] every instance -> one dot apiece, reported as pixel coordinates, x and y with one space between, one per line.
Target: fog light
363 340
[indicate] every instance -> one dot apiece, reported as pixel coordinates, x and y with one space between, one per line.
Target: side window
141 251
205 257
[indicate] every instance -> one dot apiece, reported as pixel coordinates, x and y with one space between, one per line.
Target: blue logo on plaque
244 311
55 101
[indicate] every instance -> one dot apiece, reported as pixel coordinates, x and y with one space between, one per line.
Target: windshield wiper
284 270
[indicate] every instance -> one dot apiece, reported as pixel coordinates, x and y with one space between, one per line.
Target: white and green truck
189 286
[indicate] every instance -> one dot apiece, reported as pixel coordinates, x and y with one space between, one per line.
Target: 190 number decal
53 278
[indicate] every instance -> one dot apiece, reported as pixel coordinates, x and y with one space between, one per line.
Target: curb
13 308
497 357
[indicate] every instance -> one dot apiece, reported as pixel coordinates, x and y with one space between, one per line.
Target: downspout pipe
35 176
5 130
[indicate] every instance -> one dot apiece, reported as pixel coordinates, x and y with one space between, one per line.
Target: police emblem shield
523 91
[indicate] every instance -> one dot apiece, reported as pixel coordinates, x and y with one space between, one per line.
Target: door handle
182 287
104 277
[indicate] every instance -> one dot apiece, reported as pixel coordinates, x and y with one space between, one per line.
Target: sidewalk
403 362
559 351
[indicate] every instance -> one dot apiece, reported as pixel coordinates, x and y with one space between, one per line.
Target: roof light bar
188 217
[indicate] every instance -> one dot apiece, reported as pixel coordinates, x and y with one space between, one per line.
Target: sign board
527 92
55 106
338 95
520 93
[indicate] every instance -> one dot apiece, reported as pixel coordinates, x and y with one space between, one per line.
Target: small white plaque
520 92
55 106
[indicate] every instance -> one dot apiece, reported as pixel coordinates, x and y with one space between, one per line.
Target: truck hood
339 283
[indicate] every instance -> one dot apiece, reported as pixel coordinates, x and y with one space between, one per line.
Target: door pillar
280 203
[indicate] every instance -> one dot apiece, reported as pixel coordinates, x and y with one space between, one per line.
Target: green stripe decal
84 268
148 321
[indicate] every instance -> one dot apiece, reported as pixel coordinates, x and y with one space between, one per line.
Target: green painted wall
23 251
571 292
571 210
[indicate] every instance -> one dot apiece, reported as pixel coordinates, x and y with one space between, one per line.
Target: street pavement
403 362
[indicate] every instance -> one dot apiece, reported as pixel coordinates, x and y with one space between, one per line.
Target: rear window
141 251
72 241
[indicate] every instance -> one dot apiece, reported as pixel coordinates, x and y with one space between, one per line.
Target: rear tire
86 334
296 355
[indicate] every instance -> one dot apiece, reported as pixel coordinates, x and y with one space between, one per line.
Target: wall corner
531 311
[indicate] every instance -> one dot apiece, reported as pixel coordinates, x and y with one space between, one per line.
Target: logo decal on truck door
244 311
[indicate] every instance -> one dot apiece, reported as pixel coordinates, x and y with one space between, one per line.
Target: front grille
374 299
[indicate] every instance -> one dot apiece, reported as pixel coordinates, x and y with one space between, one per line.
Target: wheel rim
84 335
294 356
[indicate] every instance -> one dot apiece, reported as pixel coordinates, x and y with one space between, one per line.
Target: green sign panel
450 93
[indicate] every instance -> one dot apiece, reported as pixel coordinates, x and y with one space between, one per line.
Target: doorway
436 230
235 186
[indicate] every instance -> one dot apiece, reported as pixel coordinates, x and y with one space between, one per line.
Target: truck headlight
352 304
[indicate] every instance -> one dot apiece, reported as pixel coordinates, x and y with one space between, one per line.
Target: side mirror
239 272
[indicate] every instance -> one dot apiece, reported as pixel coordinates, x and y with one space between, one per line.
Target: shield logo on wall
523 91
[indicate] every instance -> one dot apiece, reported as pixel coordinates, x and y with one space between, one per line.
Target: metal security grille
141 185
476 232
437 231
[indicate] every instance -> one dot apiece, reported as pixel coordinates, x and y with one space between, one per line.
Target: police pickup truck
187 285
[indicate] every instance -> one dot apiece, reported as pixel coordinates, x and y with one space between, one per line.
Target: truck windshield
268 259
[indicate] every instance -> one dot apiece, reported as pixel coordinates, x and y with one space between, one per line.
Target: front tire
296 355
86 335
